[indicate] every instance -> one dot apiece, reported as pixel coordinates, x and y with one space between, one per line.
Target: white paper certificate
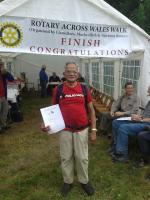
52 117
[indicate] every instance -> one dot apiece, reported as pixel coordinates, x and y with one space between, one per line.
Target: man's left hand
93 136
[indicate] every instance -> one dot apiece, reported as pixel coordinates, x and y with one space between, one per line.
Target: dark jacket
7 77
43 76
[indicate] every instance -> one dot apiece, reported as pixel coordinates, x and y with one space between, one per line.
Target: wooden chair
96 96
106 107
101 100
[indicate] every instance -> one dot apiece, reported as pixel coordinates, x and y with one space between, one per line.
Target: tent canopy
81 11
86 11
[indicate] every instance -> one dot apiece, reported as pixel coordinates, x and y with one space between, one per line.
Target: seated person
124 106
144 143
122 129
53 78
63 78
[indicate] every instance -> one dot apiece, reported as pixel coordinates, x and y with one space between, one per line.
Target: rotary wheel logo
10 35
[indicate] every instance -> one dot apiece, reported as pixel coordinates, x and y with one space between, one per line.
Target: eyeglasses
71 72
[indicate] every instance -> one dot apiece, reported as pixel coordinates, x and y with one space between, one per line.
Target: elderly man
125 105
74 138
54 78
123 129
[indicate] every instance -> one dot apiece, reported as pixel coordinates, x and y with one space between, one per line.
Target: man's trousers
74 154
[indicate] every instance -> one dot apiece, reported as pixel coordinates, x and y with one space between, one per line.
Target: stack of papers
12 93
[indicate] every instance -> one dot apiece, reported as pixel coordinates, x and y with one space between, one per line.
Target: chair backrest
97 95
109 102
104 98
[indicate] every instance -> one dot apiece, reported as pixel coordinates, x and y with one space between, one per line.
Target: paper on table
124 118
52 117
12 93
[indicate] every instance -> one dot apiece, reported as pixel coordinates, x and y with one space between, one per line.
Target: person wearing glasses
74 138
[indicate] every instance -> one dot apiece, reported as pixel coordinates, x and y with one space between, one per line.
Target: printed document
12 93
52 117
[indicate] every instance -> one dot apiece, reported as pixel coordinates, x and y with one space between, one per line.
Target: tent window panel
100 78
95 75
108 78
137 73
130 73
137 63
108 90
87 75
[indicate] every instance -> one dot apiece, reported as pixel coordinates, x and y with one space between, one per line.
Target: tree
147 15
126 7
140 17
136 10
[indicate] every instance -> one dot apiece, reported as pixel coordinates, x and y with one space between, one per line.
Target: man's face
44 67
129 90
54 74
71 73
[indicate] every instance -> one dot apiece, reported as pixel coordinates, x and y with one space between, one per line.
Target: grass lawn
30 165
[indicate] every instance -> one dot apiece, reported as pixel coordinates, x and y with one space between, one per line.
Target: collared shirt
146 113
127 104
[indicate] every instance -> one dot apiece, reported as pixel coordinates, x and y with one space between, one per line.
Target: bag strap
59 92
84 91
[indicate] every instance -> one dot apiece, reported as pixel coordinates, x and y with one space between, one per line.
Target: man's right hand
136 117
45 128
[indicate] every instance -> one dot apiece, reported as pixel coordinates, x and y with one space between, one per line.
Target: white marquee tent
95 69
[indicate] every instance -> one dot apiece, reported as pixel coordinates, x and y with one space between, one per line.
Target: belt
74 128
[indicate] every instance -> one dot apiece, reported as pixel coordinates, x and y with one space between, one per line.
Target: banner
42 36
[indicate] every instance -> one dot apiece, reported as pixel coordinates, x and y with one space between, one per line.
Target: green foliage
136 10
140 16
126 7
147 15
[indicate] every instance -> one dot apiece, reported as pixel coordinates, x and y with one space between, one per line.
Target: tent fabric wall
31 65
8 5
85 11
